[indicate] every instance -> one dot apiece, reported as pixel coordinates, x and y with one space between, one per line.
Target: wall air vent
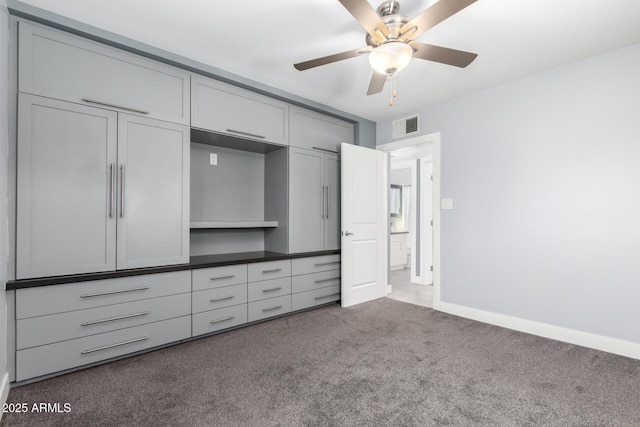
406 126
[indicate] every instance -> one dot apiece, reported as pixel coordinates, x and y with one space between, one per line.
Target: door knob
346 233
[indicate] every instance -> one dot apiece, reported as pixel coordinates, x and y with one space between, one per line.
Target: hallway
405 291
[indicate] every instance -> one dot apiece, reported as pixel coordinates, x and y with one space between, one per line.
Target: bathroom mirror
395 201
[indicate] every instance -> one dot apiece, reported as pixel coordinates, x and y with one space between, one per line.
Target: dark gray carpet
384 363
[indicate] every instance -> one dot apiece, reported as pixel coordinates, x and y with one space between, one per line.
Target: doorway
414 238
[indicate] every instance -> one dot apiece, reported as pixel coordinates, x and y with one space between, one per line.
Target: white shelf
234 224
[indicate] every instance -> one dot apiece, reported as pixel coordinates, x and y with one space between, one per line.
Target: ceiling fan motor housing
388 12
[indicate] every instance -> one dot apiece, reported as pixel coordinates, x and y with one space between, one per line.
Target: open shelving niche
240 204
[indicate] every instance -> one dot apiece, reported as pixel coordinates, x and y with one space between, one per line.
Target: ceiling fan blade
367 17
377 83
301 66
444 55
432 16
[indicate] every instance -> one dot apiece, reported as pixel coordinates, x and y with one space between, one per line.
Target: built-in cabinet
228 109
66 326
62 66
125 163
314 200
398 250
94 188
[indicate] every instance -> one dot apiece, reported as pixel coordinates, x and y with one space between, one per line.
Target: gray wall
544 174
4 167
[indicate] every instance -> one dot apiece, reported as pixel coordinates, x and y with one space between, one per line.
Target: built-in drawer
308 299
269 288
44 300
216 277
62 66
269 307
47 359
269 270
315 264
216 320
211 299
42 330
308 282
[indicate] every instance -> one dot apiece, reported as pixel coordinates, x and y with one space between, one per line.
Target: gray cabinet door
153 202
228 109
306 222
332 220
310 129
65 197
62 66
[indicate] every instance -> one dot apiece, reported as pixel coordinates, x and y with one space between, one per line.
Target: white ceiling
261 40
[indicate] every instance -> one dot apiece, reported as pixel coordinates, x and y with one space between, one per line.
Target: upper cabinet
313 130
227 109
62 66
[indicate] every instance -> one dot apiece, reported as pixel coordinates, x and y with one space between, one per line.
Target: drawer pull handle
106 347
327 280
106 104
224 319
272 289
272 308
113 319
121 291
221 298
222 277
328 296
324 149
320 264
239 132
274 270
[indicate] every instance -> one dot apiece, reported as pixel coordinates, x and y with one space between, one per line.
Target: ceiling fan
391 39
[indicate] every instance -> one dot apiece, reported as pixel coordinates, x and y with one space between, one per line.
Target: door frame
432 139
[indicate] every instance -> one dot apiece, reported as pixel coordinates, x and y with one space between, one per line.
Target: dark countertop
195 262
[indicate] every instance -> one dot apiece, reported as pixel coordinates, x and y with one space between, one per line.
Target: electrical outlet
213 159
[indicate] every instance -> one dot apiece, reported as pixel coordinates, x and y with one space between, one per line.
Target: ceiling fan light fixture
391 57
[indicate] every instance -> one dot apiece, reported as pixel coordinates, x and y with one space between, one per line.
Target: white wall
4 153
544 174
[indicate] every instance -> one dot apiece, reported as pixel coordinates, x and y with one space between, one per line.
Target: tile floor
403 290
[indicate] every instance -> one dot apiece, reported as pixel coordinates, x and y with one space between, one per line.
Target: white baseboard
585 339
4 390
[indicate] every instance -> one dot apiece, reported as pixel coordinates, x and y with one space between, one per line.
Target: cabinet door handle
239 132
327 296
106 347
272 308
106 104
324 202
320 264
327 280
221 298
120 291
121 191
324 149
111 191
222 277
272 289
275 270
327 202
224 319
112 319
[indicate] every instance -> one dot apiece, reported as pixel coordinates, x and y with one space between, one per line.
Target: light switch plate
446 203
213 159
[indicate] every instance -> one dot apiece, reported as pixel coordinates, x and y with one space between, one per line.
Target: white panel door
65 201
153 203
364 224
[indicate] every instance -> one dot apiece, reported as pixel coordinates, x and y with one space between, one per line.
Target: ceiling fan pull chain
393 89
